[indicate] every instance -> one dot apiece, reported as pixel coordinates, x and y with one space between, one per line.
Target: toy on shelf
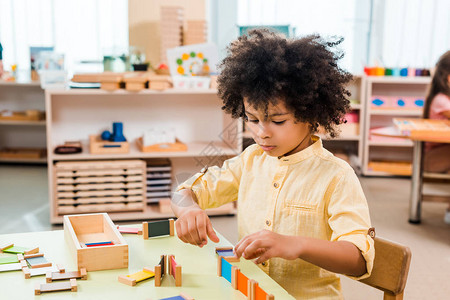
227 253
109 142
159 82
396 102
157 228
159 180
129 230
136 81
160 140
90 228
239 281
63 275
134 278
56 286
10 248
182 296
69 147
28 115
435 130
112 82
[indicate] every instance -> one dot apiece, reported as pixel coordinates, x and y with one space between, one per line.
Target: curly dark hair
265 67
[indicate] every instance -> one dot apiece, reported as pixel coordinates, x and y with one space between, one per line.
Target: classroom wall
143 22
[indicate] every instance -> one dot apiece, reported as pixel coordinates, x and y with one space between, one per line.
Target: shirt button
275 185
264 264
268 222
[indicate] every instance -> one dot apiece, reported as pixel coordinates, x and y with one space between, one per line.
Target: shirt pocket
300 206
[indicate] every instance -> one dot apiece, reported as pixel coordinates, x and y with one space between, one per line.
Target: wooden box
93 228
163 147
99 146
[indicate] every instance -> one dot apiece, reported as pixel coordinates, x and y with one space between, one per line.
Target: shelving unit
21 96
390 154
196 116
350 141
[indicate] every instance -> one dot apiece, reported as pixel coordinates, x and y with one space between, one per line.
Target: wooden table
199 267
418 131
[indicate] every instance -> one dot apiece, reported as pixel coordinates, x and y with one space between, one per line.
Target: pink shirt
439 104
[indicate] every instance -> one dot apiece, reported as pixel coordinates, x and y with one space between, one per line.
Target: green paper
15 250
8 260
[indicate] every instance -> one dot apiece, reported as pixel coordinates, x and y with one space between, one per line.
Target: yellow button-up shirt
310 193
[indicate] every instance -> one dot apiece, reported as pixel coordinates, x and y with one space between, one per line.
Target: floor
24 207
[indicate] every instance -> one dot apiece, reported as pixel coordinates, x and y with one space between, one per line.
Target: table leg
415 201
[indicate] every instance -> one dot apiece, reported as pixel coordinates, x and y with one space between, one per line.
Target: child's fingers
265 255
181 230
242 245
253 249
192 229
210 230
201 227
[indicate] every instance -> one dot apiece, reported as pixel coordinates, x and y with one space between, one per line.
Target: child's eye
279 122
252 121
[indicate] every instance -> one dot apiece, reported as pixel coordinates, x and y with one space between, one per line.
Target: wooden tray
28 153
164 147
93 228
29 115
99 146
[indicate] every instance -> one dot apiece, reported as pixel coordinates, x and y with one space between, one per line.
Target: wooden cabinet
349 144
388 98
196 118
22 124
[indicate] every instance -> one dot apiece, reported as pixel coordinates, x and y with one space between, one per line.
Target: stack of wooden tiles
171 29
94 186
196 32
159 174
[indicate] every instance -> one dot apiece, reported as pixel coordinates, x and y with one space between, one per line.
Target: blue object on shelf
117 134
106 135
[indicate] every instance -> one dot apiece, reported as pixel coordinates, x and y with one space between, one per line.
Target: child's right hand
194 227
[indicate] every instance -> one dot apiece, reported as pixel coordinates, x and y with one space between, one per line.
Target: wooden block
11 267
6 246
28 273
90 228
17 250
37 261
186 296
157 228
110 86
127 280
130 230
227 253
178 146
31 251
158 275
53 276
56 286
171 224
270 297
99 146
234 277
219 266
178 276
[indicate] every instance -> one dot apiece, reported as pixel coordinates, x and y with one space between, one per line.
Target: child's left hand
266 244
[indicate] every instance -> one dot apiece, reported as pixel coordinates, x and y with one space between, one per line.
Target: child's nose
263 132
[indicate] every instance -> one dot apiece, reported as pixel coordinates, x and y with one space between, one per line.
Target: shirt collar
314 149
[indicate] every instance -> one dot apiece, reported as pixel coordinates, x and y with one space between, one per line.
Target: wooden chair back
390 268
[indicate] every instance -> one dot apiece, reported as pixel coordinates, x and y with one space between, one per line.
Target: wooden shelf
398 80
341 138
406 143
125 92
22 123
355 106
194 150
152 212
24 160
396 112
20 83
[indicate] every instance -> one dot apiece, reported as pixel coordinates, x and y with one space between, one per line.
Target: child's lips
267 148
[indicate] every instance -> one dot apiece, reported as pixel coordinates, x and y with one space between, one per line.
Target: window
83 30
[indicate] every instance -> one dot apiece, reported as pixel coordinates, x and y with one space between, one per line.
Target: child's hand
194 227
266 244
